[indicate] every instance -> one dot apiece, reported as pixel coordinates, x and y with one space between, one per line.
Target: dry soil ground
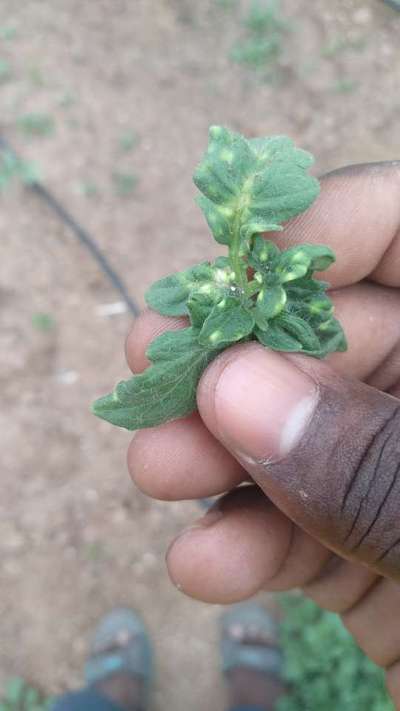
75 537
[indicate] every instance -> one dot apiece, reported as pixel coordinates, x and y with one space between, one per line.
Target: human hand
320 439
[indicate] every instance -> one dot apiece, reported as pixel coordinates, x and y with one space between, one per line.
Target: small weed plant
256 292
124 183
324 668
13 167
261 46
20 696
36 124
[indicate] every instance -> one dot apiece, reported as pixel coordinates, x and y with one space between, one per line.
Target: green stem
238 264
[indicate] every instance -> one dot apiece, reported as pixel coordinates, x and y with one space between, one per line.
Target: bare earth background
75 536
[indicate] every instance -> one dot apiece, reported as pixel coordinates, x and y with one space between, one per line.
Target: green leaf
300 330
293 264
298 261
199 307
225 168
14 690
304 289
166 390
222 263
32 697
321 257
316 308
263 255
287 332
270 302
281 188
168 296
228 322
254 185
332 337
218 219
276 338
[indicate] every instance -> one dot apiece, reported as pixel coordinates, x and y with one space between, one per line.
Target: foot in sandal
120 661
251 658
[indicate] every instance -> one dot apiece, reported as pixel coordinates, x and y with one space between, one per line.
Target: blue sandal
120 644
252 621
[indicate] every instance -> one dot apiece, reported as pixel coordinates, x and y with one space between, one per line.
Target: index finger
358 215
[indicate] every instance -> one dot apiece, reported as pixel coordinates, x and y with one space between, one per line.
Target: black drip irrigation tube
82 235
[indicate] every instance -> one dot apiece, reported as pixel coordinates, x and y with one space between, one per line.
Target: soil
75 537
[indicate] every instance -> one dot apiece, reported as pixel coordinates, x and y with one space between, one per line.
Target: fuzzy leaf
291 333
254 185
228 322
304 289
332 338
166 390
218 219
276 338
270 303
199 307
281 187
168 296
315 308
297 262
321 257
300 330
264 254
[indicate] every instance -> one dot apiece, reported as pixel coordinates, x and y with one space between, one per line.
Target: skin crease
321 537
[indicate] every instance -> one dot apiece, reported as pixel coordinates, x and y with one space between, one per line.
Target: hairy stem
237 262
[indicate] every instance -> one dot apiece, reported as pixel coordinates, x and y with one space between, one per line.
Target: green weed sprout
13 167
20 696
257 292
261 47
36 124
324 668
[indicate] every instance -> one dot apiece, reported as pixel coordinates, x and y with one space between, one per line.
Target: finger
245 545
182 460
358 215
146 328
341 585
228 555
370 622
369 315
324 448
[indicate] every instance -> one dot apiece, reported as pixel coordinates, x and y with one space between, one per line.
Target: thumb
324 448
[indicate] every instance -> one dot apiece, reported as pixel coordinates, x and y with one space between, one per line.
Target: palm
254 545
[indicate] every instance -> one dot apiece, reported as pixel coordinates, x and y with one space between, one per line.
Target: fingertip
227 558
258 403
148 325
210 378
181 460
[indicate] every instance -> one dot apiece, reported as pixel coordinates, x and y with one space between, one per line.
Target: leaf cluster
20 696
257 292
261 45
324 668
